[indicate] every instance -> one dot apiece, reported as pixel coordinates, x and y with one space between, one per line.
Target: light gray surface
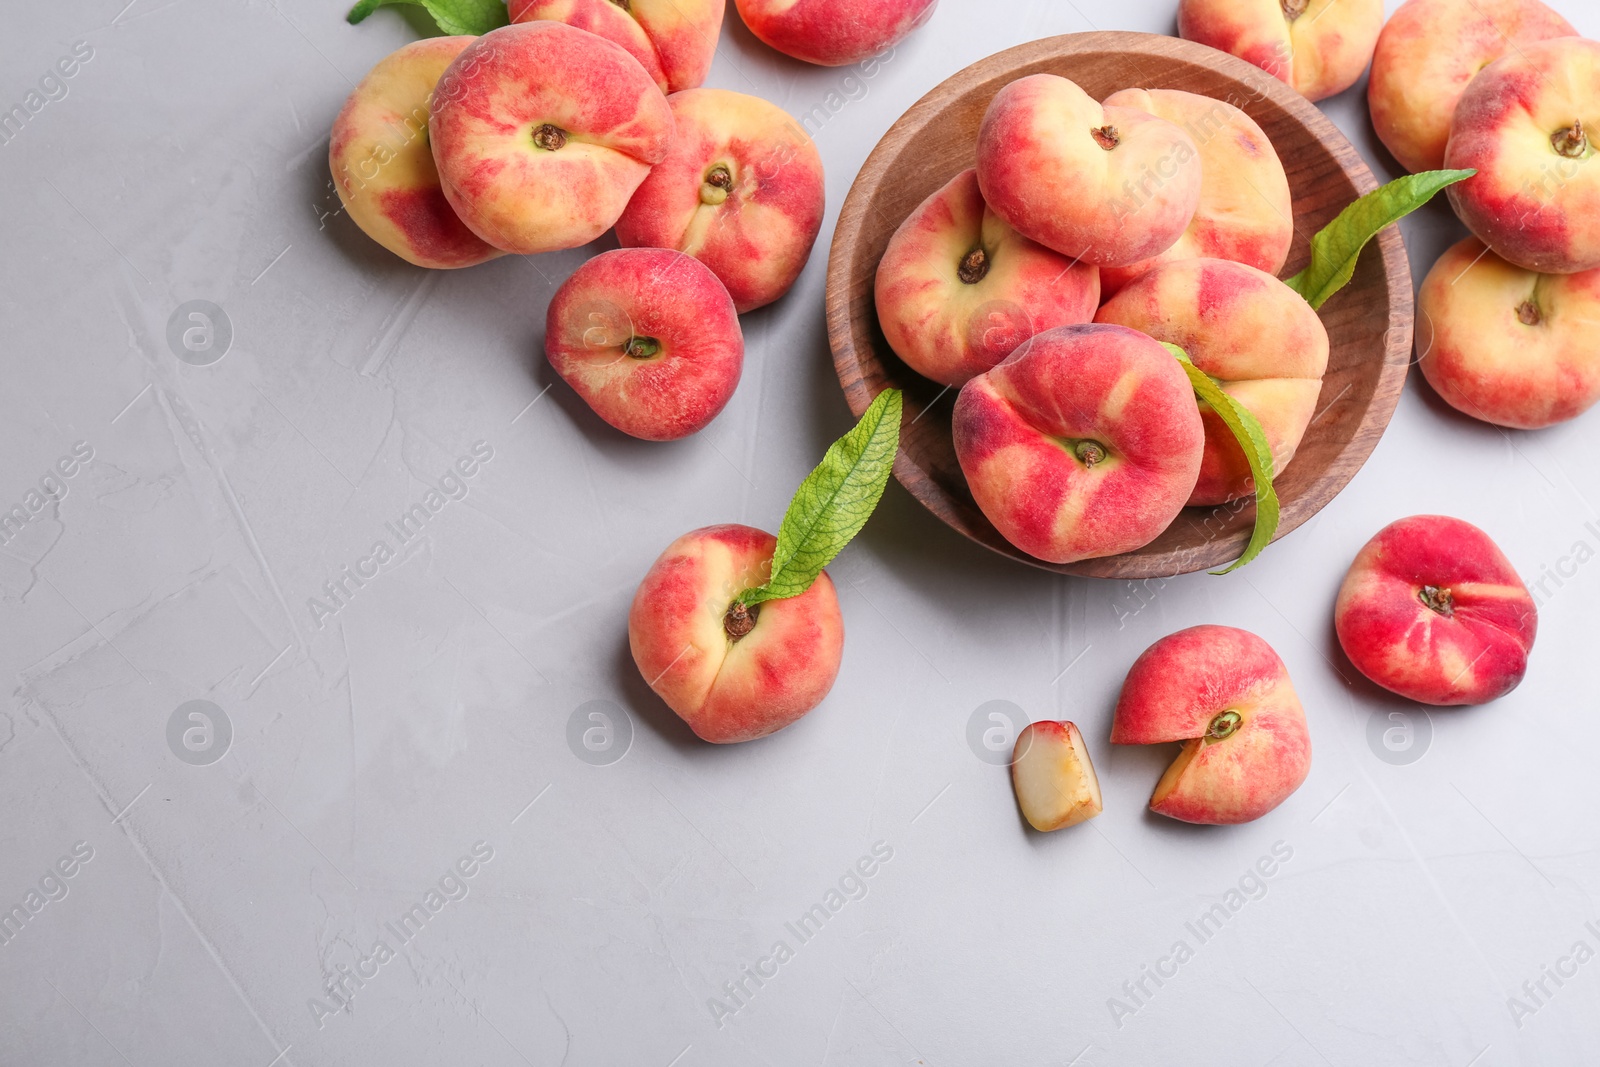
187 161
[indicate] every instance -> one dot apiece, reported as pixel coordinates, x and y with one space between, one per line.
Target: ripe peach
1507 345
1320 47
1257 337
542 132
382 165
1105 184
832 33
1226 695
673 40
1085 442
649 338
1245 212
1429 50
958 289
740 190
1053 777
1432 609
732 675
1524 125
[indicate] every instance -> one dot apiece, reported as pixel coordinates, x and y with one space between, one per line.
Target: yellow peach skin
1257 337
1320 47
542 132
1429 50
383 168
741 190
1245 212
728 678
674 40
957 290
1507 345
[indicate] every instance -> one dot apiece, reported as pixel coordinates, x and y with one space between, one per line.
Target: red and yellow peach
1108 185
1254 335
1225 694
741 190
1507 345
832 33
1245 213
649 338
1429 50
542 132
958 289
1432 609
1320 47
731 673
1524 124
674 40
383 167
1085 442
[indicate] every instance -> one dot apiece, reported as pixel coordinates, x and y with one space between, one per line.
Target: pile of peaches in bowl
1085 244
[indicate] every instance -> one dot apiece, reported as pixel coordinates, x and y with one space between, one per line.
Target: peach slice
1432 609
1257 337
741 190
383 168
1320 47
832 33
649 338
732 676
1053 777
1085 442
673 40
1245 212
542 132
1226 695
1429 50
1108 185
1525 123
958 290
1507 345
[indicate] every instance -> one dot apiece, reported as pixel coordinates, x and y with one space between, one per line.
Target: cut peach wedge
1053 776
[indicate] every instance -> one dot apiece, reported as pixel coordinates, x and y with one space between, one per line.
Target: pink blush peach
649 338
732 689
1431 609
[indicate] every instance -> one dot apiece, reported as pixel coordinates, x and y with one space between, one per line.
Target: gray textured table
228 889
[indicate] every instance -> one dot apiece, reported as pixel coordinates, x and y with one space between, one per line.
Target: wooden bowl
1369 323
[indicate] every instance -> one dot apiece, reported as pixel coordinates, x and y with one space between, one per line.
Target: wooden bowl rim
851 371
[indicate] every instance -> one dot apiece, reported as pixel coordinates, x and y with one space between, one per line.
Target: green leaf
455 17
834 501
1253 439
1336 248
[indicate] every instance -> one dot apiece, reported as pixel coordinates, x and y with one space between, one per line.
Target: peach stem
548 137
1223 725
1106 137
740 619
973 267
1437 600
1293 9
1528 313
1570 141
641 347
